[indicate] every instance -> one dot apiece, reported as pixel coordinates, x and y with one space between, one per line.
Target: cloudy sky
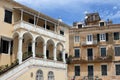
75 10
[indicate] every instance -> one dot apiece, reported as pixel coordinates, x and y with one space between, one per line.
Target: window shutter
98 39
11 50
106 36
0 44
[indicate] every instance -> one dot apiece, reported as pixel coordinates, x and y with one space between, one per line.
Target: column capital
55 47
33 41
44 44
20 38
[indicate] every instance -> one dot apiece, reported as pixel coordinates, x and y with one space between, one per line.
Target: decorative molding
40 30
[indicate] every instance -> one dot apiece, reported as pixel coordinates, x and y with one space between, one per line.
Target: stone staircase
30 63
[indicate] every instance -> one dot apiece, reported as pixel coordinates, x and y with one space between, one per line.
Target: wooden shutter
0 44
98 38
106 36
11 50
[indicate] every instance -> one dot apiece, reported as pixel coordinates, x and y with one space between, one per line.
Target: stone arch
49 50
29 33
59 50
15 34
27 44
39 46
14 48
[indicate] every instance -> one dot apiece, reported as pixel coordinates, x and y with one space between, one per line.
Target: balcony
95 59
90 43
91 78
34 28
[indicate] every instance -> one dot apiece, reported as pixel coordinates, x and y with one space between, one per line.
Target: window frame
11 17
89 38
101 52
115 53
106 71
75 53
52 76
102 37
40 75
62 32
117 69
9 40
78 72
102 24
118 35
76 38
92 53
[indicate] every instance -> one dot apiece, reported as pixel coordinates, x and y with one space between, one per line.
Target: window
50 75
104 70
90 53
103 51
77 53
117 69
77 39
61 32
117 51
102 37
89 38
77 70
48 27
101 23
116 36
31 21
79 25
6 46
8 16
39 75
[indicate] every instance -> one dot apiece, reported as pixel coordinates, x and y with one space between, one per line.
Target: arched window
39 75
50 75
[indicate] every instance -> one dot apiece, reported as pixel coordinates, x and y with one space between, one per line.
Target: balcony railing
30 27
90 43
91 78
93 59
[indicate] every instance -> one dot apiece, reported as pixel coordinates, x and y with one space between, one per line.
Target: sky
74 10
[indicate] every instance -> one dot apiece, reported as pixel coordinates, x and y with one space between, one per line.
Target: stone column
33 48
44 51
34 21
21 15
63 56
20 49
9 48
55 56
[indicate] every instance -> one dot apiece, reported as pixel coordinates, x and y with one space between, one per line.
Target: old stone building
33 46
94 49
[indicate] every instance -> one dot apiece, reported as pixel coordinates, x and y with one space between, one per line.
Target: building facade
94 49
33 46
